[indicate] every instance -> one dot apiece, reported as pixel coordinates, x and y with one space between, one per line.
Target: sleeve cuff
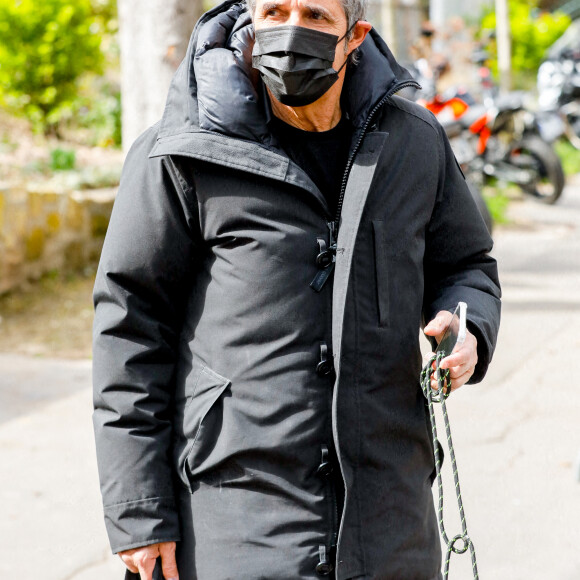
142 522
482 355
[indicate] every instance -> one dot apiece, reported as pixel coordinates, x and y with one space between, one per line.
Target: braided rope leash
438 396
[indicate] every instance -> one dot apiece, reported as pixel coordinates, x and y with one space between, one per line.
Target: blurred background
79 81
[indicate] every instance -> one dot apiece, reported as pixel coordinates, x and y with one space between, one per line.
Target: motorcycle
499 140
558 84
453 108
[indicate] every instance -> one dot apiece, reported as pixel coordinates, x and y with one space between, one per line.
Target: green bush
497 202
62 159
569 156
100 114
45 46
532 32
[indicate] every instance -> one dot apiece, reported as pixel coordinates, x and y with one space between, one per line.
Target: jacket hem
145 499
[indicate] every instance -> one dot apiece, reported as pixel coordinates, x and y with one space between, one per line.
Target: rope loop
443 389
439 395
466 542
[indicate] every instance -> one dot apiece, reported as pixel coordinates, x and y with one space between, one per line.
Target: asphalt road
517 435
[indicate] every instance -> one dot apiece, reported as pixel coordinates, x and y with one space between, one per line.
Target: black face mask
295 62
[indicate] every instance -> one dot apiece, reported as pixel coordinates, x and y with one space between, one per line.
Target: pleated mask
296 62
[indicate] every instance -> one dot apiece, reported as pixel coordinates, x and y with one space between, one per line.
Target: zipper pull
326 259
325 467
333 228
321 277
325 366
324 566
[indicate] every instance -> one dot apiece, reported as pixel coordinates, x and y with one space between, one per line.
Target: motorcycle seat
513 101
453 127
471 115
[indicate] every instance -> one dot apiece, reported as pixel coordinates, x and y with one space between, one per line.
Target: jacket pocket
381 272
203 420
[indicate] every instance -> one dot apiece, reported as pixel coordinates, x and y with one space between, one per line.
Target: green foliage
569 156
532 32
45 46
497 202
106 10
62 159
101 115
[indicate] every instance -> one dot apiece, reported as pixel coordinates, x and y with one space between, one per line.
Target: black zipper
327 260
350 161
329 257
334 535
333 227
332 488
324 274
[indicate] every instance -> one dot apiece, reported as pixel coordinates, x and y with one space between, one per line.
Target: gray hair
354 11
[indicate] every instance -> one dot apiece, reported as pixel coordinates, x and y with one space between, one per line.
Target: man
277 242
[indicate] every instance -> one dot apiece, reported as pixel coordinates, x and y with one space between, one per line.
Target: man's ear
359 33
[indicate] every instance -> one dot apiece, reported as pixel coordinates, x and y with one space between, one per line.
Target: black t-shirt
322 155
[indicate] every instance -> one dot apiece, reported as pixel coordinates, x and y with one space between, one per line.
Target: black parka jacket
219 419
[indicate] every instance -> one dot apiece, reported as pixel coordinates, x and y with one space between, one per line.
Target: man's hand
142 560
461 362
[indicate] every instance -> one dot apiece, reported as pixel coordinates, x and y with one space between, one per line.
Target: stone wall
43 229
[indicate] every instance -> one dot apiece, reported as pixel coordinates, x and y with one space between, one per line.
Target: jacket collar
216 90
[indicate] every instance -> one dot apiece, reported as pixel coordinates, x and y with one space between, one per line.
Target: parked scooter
547 124
499 139
558 85
423 75
497 143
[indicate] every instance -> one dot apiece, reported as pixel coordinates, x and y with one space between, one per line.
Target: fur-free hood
216 90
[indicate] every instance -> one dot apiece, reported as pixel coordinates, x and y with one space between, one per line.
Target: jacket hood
216 90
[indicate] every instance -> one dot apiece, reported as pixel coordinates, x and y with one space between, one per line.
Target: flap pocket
203 420
207 381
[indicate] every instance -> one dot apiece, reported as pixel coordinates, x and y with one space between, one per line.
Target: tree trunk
504 53
153 38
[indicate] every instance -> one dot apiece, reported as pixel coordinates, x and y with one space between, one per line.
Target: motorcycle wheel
549 184
572 124
481 205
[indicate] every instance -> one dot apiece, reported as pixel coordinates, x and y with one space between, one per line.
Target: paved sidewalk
51 524
517 435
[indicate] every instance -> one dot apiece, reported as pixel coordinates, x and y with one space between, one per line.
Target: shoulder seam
409 112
